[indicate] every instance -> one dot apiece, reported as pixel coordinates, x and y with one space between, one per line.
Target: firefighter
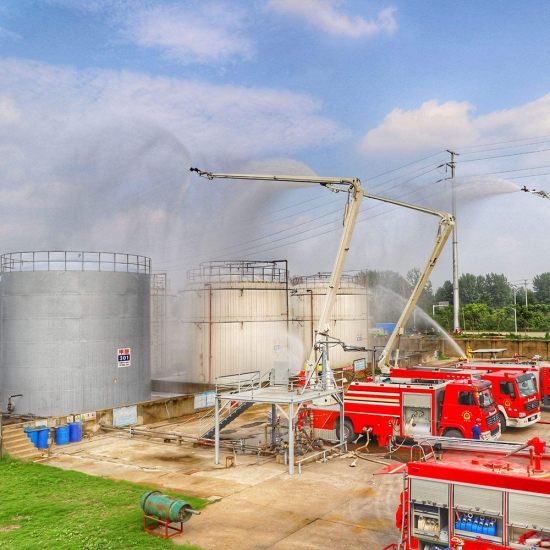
476 429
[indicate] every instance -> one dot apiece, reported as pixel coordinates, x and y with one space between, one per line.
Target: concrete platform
259 506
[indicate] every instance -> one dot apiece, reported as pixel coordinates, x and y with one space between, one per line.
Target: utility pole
514 289
456 302
525 285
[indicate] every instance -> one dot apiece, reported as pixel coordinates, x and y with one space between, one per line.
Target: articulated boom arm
356 193
355 190
446 225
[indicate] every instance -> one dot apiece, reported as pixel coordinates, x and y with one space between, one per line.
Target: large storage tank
349 319
64 318
235 319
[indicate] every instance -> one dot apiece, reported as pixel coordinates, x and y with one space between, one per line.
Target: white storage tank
75 329
348 321
235 319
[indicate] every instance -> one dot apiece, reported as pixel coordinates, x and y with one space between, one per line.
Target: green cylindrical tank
165 507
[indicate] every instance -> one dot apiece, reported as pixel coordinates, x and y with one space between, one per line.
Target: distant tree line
486 302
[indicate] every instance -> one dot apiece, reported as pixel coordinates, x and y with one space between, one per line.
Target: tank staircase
230 410
228 413
17 444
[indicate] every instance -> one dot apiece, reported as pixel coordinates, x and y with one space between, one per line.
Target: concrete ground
258 505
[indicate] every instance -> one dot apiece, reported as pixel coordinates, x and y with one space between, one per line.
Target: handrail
71 260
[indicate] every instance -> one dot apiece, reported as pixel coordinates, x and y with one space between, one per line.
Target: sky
106 104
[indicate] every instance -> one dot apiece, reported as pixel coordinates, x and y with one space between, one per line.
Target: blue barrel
75 432
33 436
42 440
62 435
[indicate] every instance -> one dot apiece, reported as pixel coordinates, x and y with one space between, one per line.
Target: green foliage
541 286
444 293
492 290
48 508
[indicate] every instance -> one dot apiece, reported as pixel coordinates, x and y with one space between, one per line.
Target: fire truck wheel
349 433
454 433
502 423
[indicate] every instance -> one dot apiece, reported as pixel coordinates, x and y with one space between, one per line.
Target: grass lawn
42 507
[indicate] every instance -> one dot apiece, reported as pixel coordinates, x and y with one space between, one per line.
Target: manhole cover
252 424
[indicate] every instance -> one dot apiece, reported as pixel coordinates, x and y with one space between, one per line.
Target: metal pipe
291 439
209 333
217 431
311 317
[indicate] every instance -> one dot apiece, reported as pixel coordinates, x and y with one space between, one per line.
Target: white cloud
186 32
453 124
211 33
9 35
325 15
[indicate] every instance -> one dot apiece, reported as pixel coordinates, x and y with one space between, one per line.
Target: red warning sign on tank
124 357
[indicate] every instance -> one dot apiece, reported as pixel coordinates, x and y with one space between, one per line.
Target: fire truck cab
515 391
541 369
393 409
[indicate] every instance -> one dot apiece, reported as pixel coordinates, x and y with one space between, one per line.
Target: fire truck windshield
526 385
485 398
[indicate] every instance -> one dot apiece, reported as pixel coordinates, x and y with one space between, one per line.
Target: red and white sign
123 355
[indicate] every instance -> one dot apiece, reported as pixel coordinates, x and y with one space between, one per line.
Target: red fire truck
495 496
391 409
542 370
515 391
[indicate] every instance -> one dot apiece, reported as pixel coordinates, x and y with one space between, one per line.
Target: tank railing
325 278
52 260
239 272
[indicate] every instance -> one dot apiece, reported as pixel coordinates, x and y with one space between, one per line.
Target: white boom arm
446 225
355 190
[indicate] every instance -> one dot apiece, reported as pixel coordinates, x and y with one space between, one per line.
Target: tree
444 293
541 286
496 290
471 288
427 297
477 315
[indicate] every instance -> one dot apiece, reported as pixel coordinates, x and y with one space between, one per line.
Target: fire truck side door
417 414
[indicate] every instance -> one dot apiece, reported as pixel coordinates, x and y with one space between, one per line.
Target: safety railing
324 277
243 271
51 260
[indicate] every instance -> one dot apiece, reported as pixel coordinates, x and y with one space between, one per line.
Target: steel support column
217 431
291 438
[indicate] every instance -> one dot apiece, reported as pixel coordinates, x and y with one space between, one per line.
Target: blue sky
104 104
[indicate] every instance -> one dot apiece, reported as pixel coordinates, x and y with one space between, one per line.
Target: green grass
42 507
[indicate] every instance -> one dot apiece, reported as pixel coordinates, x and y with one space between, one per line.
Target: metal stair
18 445
227 419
